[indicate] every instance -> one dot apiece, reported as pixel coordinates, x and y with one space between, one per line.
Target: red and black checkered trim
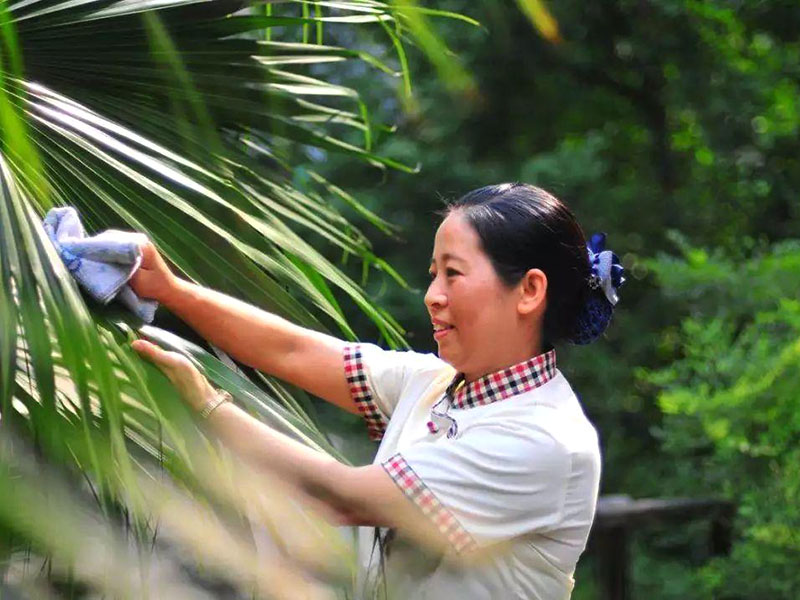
361 392
514 380
416 490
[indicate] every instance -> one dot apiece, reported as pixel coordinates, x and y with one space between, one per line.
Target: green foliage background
672 126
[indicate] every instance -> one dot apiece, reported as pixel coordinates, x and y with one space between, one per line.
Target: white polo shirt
507 467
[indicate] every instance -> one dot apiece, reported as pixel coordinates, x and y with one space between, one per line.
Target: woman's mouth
440 330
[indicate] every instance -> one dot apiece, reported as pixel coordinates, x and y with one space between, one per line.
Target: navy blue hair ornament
606 274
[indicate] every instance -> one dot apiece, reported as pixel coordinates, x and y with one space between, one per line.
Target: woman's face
475 319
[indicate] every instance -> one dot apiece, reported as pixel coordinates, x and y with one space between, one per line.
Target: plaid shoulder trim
361 393
419 493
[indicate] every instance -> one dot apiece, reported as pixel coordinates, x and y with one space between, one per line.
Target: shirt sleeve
493 483
379 378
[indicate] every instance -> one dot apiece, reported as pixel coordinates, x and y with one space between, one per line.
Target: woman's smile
441 329
439 334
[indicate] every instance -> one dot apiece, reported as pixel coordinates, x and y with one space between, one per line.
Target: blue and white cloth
102 264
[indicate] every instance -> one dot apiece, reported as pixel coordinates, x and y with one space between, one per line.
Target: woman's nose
435 297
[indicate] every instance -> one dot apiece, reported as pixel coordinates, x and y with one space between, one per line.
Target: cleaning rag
102 264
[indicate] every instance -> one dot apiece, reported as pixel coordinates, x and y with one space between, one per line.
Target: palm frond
183 119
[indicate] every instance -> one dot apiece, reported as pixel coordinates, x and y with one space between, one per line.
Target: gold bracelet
212 405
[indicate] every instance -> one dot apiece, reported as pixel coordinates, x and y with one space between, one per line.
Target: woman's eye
447 272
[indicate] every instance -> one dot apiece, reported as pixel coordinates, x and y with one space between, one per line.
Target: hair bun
593 319
606 277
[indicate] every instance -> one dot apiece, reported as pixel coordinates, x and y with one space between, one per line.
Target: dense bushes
731 410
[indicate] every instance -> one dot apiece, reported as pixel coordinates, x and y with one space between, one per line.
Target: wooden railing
620 516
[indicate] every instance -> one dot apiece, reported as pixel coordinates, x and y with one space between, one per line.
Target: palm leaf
182 119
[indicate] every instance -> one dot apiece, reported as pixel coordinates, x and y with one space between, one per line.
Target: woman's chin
447 355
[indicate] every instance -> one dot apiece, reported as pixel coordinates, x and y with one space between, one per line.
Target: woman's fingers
191 384
142 283
153 279
151 352
172 363
149 255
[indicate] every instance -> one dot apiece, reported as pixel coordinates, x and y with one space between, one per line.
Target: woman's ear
533 292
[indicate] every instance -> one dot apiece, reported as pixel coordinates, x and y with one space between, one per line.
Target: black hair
523 227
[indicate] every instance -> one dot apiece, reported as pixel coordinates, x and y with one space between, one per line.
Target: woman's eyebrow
447 256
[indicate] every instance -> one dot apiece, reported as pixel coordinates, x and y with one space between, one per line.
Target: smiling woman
479 323
486 455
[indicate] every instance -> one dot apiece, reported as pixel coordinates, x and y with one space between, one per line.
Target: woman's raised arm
305 358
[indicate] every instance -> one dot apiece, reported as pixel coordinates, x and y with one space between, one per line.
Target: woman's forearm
308 359
350 495
236 327
317 475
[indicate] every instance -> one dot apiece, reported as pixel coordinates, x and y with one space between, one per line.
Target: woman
485 449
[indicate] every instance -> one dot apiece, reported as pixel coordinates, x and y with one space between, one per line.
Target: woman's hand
191 384
153 279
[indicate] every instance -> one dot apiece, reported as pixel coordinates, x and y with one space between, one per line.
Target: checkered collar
516 379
